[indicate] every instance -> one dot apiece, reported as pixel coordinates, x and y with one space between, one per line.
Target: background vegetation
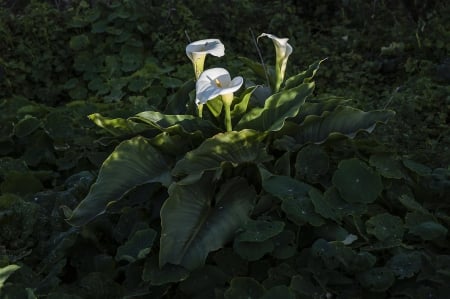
61 61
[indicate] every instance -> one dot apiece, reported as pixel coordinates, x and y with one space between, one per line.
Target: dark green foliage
98 130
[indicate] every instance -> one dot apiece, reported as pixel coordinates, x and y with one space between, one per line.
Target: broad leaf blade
118 126
240 108
277 109
192 227
5 272
344 121
233 147
176 124
134 162
303 77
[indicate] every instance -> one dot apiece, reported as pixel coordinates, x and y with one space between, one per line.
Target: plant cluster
238 183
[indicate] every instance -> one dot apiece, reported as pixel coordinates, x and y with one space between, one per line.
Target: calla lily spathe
283 49
197 51
216 82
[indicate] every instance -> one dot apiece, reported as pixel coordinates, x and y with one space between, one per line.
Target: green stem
227 99
200 110
228 117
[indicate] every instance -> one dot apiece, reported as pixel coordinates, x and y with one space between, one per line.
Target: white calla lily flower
283 50
197 51
216 82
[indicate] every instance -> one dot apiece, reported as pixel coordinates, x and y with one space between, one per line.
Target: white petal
280 43
207 87
206 46
234 85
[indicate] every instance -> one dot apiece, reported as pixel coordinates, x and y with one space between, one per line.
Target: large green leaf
134 162
118 126
344 121
178 124
241 107
277 109
192 226
5 272
305 76
318 107
233 147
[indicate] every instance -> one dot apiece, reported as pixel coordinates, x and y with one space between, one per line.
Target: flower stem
200 110
228 117
227 99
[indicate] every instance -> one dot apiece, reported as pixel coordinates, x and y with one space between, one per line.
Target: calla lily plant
283 49
217 82
197 51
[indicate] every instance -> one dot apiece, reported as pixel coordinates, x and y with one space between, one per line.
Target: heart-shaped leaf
356 182
192 226
134 162
244 288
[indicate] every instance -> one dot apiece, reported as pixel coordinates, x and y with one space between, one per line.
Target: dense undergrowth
310 232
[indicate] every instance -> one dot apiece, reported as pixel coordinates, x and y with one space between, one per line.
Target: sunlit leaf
134 162
233 147
176 124
118 126
241 107
343 121
303 77
5 272
192 226
277 109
